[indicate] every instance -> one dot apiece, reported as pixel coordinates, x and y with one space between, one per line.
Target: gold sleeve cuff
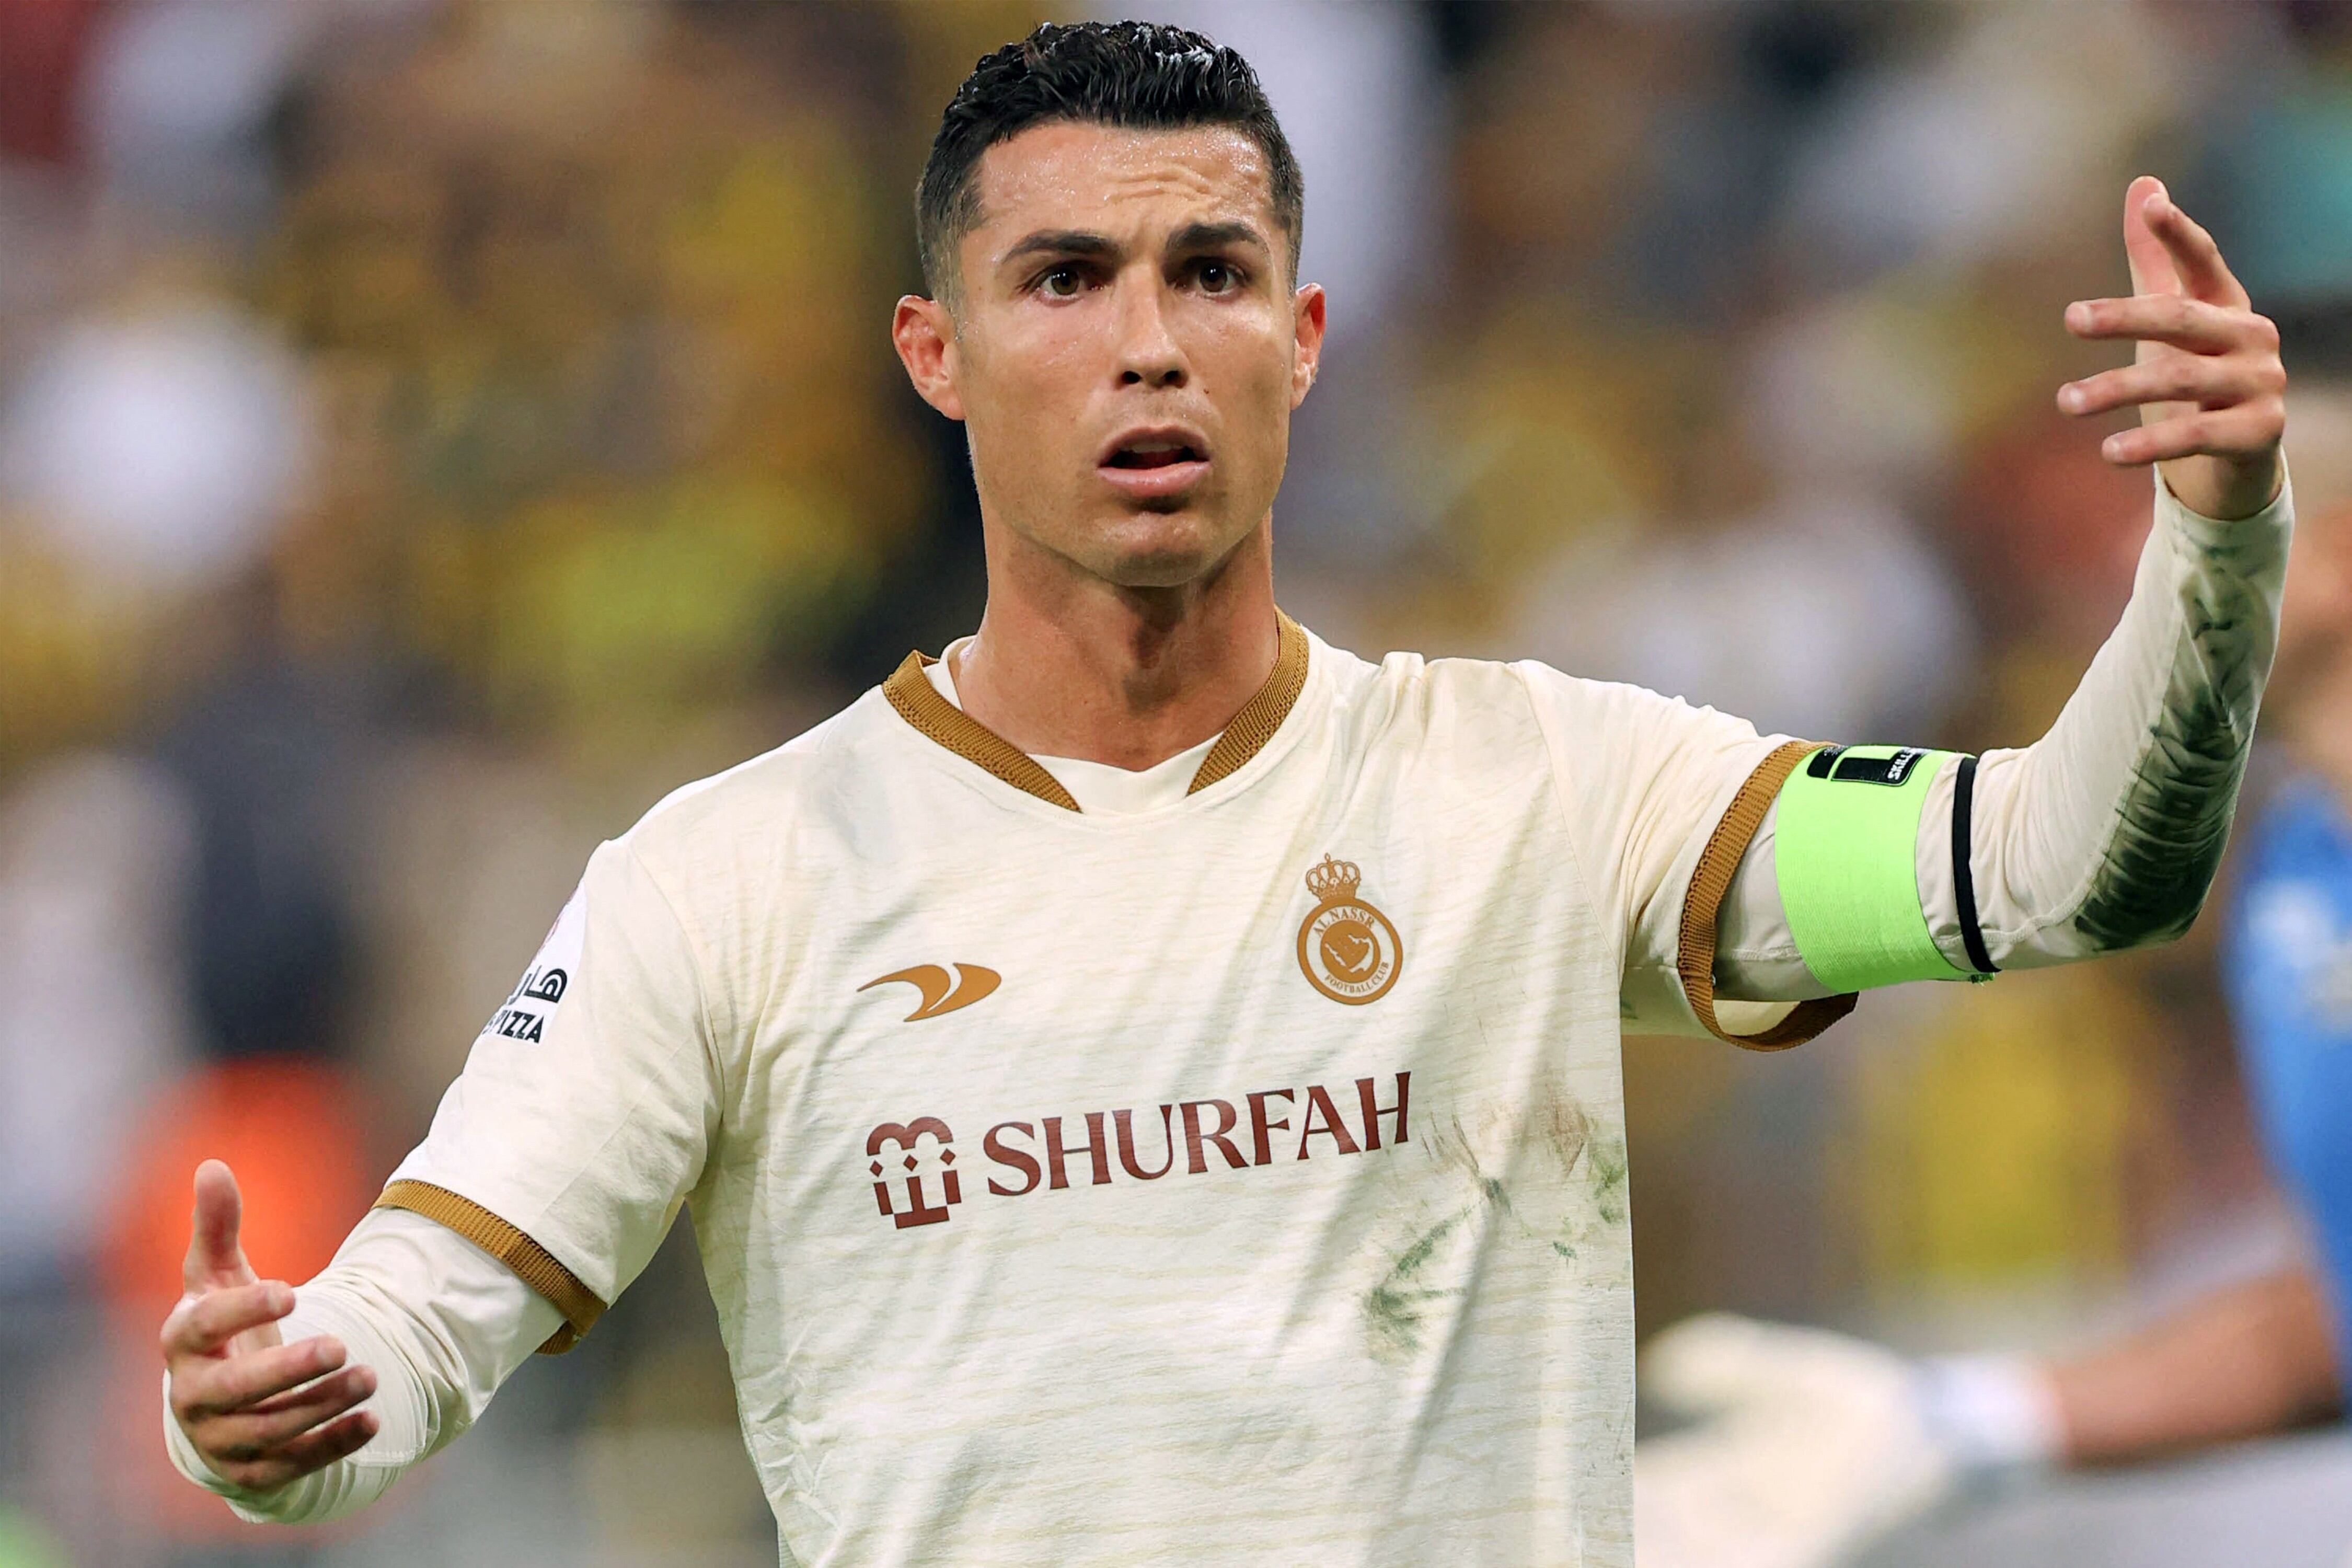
533 1264
1695 945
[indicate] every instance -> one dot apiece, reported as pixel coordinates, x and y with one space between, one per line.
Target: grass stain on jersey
2174 821
1394 1308
1607 1172
1567 1185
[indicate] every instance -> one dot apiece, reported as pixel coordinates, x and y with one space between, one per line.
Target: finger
2243 431
311 1451
2196 325
316 1450
2151 266
213 1254
258 1434
359 1375
2195 257
2212 380
203 1325
214 1388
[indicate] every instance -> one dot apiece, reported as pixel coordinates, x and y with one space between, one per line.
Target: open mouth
1156 465
1153 455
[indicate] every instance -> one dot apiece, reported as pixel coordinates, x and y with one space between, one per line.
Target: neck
2319 726
1067 665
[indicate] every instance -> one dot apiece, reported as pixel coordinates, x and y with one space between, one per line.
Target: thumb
2152 271
214 1255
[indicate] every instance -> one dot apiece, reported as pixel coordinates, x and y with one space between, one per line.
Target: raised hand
2207 379
261 1411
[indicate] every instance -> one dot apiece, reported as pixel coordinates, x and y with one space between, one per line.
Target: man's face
1127 348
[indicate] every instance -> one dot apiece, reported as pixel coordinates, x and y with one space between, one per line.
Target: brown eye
1062 283
1216 278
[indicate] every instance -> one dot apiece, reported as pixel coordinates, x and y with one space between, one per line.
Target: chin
1165 570
1160 549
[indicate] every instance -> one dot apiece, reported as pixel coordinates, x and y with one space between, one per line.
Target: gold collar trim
1263 714
918 702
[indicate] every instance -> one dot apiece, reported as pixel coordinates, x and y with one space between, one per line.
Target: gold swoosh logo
942 993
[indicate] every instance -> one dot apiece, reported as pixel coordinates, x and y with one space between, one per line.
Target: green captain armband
1845 850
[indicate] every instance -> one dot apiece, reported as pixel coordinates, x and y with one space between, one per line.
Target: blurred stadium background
431 429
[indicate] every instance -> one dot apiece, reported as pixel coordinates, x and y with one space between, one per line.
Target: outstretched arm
410 1317
2105 834
1807 1445
585 1114
2255 1358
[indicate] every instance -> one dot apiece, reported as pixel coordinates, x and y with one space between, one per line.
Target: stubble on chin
1177 547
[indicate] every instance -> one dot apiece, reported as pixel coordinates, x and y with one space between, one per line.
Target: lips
1153 455
1155 462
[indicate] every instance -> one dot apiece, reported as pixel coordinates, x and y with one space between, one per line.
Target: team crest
1348 950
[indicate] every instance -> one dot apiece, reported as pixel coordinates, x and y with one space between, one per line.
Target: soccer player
1146 1082
1885 1439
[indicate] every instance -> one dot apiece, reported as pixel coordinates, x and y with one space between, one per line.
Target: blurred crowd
432 429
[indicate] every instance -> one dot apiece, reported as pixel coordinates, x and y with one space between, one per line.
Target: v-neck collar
911 691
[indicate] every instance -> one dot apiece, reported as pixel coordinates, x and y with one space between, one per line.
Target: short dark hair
1137 76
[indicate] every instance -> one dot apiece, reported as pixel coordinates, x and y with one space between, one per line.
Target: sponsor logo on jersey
1203 1135
530 1007
941 991
1347 950
525 1013
909 1135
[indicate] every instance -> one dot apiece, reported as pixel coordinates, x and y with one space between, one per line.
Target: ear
1307 328
924 334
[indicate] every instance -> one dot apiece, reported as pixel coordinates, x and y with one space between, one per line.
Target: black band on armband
1963 885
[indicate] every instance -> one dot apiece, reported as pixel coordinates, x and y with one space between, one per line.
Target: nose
1148 354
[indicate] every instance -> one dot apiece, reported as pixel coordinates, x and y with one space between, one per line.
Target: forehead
1097 177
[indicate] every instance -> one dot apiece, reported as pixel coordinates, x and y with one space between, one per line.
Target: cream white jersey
1232 1172
1238 1182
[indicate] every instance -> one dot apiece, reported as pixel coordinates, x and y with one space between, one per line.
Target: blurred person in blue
1808 1446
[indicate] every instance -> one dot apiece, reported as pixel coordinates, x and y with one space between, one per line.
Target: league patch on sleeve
526 1013
1835 762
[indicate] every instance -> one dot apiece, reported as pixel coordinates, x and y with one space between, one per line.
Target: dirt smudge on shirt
2174 820
1543 1177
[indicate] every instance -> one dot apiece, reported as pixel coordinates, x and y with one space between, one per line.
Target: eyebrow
1214 235
1061 242
1191 237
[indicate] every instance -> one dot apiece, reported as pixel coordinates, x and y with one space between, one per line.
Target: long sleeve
442 1324
553 1169
2105 834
